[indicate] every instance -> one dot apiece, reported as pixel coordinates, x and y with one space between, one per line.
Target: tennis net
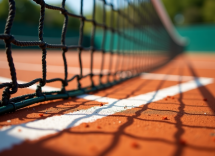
137 36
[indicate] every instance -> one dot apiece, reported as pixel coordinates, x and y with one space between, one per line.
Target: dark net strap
136 34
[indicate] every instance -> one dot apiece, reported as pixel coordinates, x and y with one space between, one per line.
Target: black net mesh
133 35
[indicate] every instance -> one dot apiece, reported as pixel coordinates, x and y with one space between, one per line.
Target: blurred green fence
148 39
201 38
51 35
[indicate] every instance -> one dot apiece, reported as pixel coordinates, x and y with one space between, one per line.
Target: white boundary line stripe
33 87
155 76
50 68
196 64
39 128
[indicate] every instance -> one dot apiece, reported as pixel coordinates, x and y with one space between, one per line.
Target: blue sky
88 4
75 4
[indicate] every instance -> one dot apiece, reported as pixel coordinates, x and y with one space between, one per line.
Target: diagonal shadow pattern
130 120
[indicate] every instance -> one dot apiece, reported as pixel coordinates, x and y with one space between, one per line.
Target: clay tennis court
170 111
127 88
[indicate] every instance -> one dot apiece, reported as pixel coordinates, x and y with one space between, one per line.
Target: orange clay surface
180 125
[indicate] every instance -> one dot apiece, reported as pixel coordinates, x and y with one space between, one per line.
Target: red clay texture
187 129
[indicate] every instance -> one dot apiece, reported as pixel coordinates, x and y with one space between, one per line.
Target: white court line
33 87
36 129
50 68
155 76
196 64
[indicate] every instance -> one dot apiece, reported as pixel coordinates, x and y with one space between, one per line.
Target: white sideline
34 130
155 76
50 68
76 70
33 87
